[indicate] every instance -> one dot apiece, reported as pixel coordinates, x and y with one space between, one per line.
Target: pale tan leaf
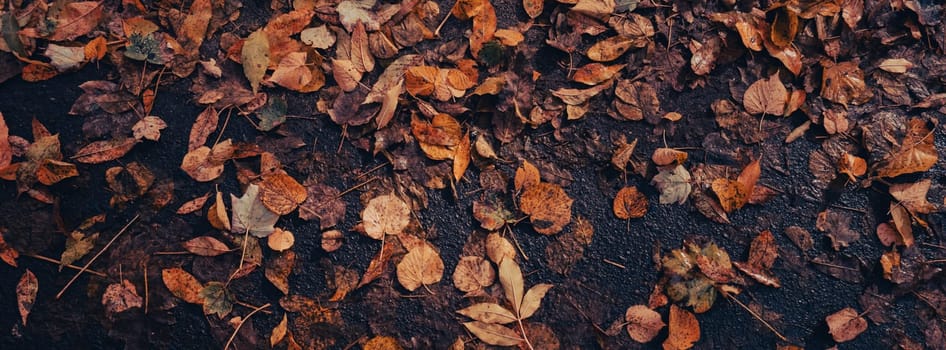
488 313
533 299
510 276
493 334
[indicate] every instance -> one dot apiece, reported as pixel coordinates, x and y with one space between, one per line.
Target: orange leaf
630 203
684 330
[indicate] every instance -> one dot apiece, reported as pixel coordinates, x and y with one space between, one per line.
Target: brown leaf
75 19
596 73
360 54
903 222
385 215
643 324
217 214
493 334
278 270
322 202
852 166
636 101
26 294
800 236
491 313
332 240
844 83
7 253
119 297
379 263
766 96
527 175
421 266
205 124
205 164
684 329
845 325
784 26
735 194
280 240
533 8
6 153
193 205
461 157
438 139
533 299
382 343
762 254
630 203
499 248
279 332
611 48
484 26
206 246
281 193
473 273
917 152
292 72
668 156
182 284
913 196
105 150
148 128
548 206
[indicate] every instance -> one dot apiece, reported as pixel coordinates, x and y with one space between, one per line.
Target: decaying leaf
896 65
255 58
643 324
77 246
216 299
385 215
845 325
630 203
762 254
913 196
279 268
734 194
193 205
673 184
596 73
119 297
916 153
527 175
280 193
421 266
26 294
844 83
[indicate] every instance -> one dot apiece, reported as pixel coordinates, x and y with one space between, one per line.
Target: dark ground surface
602 291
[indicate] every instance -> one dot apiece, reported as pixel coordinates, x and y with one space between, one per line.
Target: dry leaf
684 329
845 325
762 254
461 157
193 205
630 203
488 313
493 334
205 124
281 193
668 156
26 294
852 166
596 73
105 150
896 65
385 215
533 8
206 246
280 240
917 152
611 48
548 206
279 332
673 184
322 202
484 26
510 276
255 58
421 266
844 83
332 240
498 248
735 194
77 246
319 37
7 253
182 284
766 96
148 128
527 175
217 214
643 324
913 196
119 297
473 273
382 343
279 268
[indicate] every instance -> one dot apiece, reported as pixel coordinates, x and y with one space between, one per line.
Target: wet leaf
322 202
183 285
484 26
845 325
548 206
643 324
385 215
7 253
630 203
596 73
332 240
119 297
278 270
26 294
279 332
105 150
421 266
527 175
734 194
684 329
844 83
249 215
216 299
800 236
636 101
77 246
766 96
533 7
206 246
916 153
762 254
852 166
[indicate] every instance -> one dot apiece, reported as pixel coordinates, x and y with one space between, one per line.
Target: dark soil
594 293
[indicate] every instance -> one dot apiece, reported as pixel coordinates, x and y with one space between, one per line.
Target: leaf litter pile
315 174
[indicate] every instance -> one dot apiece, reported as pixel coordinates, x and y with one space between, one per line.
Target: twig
242 321
614 263
251 306
225 122
834 266
144 267
379 166
71 266
437 31
373 179
516 241
754 314
59 295
933 245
